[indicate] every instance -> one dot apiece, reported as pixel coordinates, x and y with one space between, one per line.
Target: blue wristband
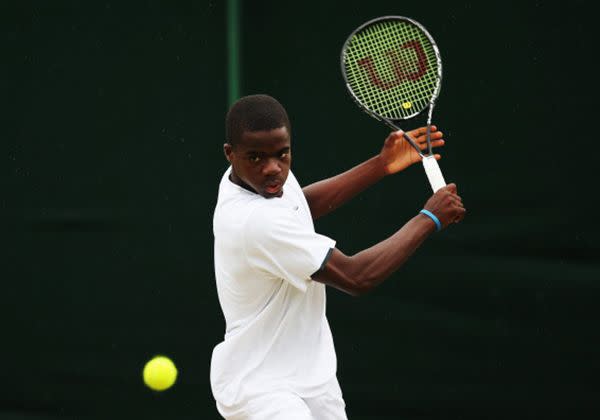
432 216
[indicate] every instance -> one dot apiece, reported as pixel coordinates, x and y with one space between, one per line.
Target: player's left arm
396 155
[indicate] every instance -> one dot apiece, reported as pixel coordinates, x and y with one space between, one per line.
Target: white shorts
289 406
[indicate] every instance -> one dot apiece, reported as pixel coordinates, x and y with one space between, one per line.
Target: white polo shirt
277 336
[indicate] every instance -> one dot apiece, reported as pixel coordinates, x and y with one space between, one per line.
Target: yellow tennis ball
160 373
406 105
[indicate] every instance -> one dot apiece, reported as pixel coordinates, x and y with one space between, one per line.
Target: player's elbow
355 291
361 284
365 278
348 274
358 279
347 282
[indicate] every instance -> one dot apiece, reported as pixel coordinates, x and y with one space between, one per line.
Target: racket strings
392 68
408 59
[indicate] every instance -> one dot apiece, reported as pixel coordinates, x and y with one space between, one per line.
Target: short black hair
254 113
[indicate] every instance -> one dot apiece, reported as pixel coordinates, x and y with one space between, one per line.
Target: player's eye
284 155
254 159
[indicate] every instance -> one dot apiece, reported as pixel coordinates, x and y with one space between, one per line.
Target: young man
277 360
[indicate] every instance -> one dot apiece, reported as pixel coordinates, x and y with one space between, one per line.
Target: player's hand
447 205
397 154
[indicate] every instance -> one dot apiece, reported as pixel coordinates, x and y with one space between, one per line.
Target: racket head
392 68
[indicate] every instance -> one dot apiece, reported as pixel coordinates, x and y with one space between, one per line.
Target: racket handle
434 174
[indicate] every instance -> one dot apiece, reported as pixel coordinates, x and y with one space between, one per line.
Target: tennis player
277 360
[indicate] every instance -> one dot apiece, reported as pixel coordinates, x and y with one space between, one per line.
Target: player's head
254 113
258 144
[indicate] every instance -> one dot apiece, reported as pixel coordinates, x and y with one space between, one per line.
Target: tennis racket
393 71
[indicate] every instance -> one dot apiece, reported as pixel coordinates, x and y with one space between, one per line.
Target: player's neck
238 181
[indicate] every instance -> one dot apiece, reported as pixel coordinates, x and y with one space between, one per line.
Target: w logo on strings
401 69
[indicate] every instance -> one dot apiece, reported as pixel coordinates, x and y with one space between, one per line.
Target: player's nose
271 167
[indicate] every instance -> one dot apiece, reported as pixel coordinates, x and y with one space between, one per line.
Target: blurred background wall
113 133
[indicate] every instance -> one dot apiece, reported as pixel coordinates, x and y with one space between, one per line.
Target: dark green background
113 141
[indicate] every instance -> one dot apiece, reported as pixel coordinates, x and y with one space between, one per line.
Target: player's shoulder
271 219
266 210
245 208
235 208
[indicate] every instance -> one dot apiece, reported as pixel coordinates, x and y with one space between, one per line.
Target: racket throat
428 132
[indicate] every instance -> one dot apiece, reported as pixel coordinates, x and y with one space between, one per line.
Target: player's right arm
359 273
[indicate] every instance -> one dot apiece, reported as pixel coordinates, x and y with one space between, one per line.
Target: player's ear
228 150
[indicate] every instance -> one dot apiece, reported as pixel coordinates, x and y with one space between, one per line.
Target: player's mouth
273 188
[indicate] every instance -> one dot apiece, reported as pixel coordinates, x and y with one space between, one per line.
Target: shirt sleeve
278 243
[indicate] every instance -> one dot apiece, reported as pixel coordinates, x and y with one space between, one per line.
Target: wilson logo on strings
401 69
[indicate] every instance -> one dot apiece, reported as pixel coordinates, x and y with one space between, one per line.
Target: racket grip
434 174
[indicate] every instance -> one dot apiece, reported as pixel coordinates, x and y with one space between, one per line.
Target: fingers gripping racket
393 71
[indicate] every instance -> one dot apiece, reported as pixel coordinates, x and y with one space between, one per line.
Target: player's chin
271 194
272 191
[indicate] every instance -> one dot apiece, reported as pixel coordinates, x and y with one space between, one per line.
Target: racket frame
392 123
